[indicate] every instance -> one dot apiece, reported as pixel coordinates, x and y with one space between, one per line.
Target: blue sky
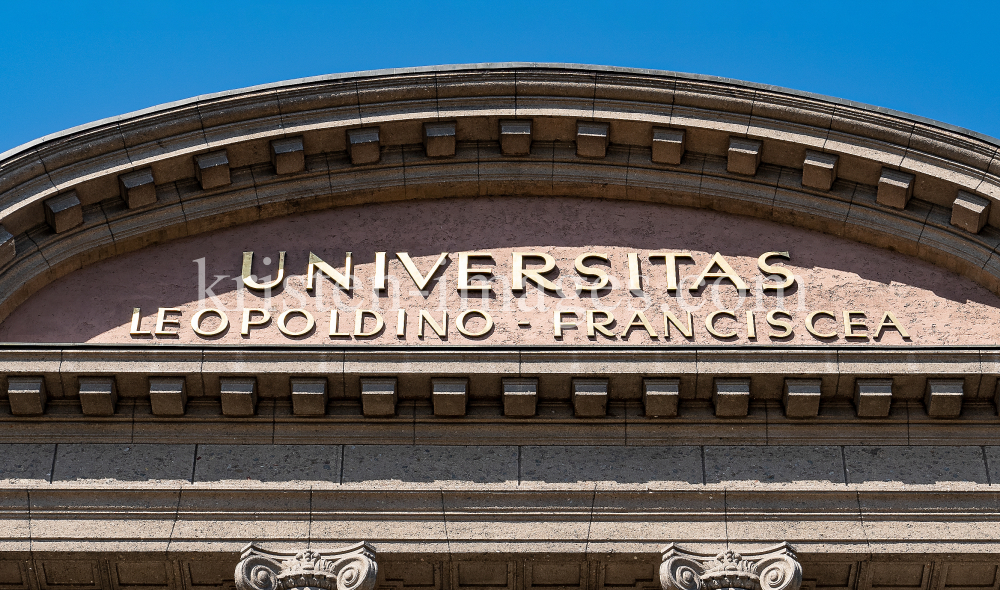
63 64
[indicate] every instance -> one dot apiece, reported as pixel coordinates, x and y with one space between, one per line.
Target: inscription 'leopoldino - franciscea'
478 282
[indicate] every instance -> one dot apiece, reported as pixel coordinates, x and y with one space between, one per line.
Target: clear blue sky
66 63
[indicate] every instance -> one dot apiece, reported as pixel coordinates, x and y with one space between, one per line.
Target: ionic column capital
773 569
348 568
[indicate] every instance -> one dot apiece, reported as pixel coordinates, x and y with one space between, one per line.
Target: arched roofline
873 175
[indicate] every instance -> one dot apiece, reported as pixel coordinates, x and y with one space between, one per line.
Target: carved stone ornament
349 568
773 569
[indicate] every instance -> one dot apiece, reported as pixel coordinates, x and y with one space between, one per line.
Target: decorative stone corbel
773 569
349 568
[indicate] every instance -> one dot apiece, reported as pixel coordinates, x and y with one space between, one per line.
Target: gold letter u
248 278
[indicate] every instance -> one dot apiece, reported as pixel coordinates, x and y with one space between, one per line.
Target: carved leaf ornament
350 568
773 569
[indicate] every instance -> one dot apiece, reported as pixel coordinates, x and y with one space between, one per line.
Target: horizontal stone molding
718 395
214 161
194 519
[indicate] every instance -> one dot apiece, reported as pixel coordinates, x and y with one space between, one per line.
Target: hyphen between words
476 278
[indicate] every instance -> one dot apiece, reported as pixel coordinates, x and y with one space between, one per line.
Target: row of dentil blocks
661 397
819 170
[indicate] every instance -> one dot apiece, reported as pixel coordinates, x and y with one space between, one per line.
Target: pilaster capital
775 568
347 568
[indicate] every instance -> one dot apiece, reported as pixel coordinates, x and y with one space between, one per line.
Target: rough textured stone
731 397
286 466
660 397
743 156
378 396
7 246
239 396
894 188
590 397
873 397
520 397
364 145
212 169
591 139
63 212
896 468
288 155
970 212
668 146
86 464
138 188
98 396
439 139
943 397
167 395
819 170
449 396
374 467
27 395
801 397
515 137
309 396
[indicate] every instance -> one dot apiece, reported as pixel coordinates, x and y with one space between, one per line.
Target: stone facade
134 457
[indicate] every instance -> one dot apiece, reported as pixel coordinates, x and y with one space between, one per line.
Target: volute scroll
348 568
773 569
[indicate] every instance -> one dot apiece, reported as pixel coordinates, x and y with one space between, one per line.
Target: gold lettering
283 322
669 318
672 260
196 322
335 325
599 273
811 323
725 272
162 321
710 323
751 326
379 281
639 321
247 322
775 322
440 329
889 321
136 324
558 323
359 323
248 272
520 275
411 269
401 323
464 270
460 322
850 324
634 276
594 326
769 270
316 264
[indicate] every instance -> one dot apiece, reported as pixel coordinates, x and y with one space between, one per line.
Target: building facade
516 326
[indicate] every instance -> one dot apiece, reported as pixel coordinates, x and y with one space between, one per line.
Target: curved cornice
882 158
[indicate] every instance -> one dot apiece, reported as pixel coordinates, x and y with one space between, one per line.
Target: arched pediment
901 183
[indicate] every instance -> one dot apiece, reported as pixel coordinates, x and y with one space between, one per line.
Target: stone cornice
882 158
669 395
199 518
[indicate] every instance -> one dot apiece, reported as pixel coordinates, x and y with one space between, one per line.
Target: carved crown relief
773 569
349 568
